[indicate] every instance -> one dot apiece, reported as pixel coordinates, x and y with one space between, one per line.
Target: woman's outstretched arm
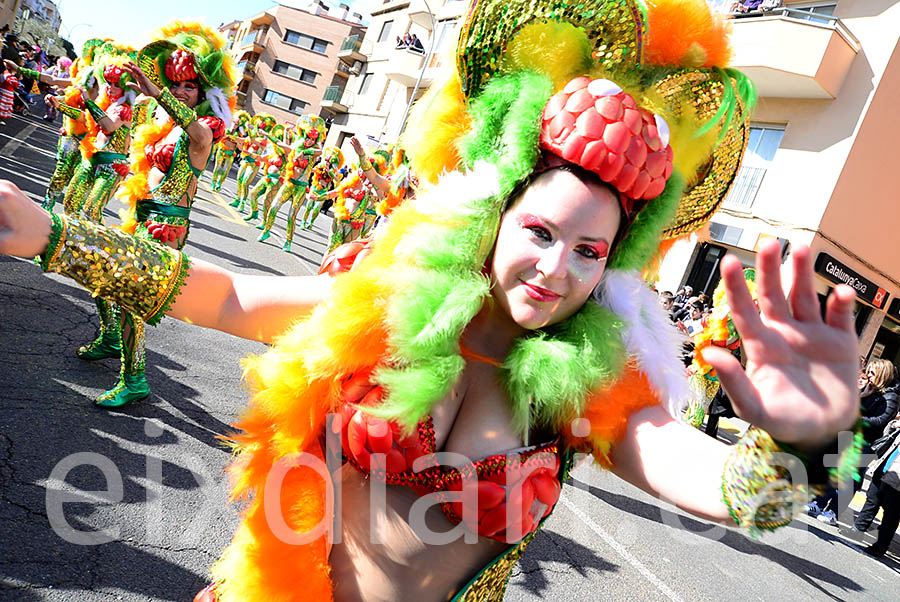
251 307
799 386
150 279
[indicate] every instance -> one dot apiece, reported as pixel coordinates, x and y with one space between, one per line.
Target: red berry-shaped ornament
180 66
596 125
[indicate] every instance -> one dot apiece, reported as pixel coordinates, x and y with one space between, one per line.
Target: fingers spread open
743 309
804 304
772 300
839 308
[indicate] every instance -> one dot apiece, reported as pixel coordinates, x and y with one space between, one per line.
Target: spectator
682 296
416 44
703 298
747 6
770 5
885 493
665 299
878 406
694 324
400 42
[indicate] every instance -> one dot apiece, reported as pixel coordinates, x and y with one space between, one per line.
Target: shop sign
894 310
835 271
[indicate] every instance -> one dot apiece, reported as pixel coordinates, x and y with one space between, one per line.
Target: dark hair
586 176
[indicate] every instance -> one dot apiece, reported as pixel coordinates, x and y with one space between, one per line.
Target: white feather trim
650 336
219 104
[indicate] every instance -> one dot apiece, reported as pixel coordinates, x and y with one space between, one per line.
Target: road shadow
238 261
808 570
547 549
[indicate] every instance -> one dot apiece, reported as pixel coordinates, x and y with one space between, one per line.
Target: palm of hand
804 377
800 378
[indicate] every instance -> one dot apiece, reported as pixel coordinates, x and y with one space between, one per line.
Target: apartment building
8 11
45 10
287 58
374 104
821 164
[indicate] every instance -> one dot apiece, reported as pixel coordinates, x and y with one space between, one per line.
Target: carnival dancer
190 78
356 198
227 148
719 331
68 151
273 167
296 182
503 310
8 84
326 175
252 152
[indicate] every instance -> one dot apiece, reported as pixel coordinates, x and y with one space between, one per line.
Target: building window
294 72
385 31
818 13
285 102
366 82
304 41
761 147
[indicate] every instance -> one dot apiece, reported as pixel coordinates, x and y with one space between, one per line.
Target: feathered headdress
184 51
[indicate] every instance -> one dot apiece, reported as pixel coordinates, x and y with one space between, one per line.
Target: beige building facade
287 59
376 100
8 12
821 164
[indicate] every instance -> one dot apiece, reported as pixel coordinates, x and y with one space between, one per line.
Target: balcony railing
793 53
746 185
333 93
352 43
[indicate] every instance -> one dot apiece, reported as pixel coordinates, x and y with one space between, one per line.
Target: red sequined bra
515 490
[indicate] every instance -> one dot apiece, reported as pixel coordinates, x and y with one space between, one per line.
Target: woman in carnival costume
68 151
503 308
253 148
227 148
273 168
296 182
718 330
189 79
356 197
326 175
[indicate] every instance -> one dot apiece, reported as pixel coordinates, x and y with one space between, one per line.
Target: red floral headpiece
598 126
113 73
180 66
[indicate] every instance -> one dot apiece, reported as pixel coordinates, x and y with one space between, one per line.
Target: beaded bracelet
364 163
759 492
95 111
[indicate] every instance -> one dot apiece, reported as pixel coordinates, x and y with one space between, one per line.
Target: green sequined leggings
78 188
222 168
313 207
293 191
246 173
133 350
265 187
67 157
105 182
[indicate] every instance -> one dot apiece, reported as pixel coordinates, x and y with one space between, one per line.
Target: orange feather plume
685 33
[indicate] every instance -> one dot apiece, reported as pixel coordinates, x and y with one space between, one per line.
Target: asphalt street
132 505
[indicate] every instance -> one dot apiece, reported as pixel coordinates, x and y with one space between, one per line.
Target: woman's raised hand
357 146
141 83
800 382
24 226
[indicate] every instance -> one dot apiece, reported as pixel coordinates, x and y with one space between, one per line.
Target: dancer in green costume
253 148
228 148
299 168
326 176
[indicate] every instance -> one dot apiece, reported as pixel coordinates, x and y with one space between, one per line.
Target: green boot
263 236
236 202
286 246
129 389
253 215
104 346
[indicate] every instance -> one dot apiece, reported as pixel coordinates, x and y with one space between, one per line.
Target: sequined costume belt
106 157
149 206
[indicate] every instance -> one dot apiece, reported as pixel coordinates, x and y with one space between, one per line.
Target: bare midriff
383 554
